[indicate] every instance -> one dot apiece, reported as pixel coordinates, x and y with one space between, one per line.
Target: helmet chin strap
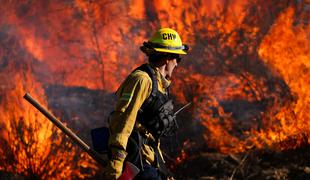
167 75
163 70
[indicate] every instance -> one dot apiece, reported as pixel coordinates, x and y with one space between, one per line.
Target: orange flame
285 123
95 44
30 145
286 50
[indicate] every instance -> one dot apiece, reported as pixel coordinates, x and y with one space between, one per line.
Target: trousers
148 173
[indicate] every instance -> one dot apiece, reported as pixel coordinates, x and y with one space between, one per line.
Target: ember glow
246 73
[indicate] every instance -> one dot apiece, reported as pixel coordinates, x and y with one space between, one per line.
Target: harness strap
147 68
161 164
140 154
158 158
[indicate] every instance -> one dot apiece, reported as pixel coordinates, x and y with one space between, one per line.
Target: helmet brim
179 51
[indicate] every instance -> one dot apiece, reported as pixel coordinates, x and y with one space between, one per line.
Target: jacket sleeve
131 96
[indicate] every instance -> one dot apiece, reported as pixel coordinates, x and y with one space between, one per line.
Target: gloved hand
115 166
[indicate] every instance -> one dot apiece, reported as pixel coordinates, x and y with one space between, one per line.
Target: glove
113 170
115 166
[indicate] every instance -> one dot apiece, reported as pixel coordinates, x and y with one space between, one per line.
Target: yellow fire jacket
131 94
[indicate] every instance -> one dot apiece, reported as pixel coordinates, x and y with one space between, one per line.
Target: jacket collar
164 82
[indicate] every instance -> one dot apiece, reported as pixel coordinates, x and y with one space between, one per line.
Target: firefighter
144 110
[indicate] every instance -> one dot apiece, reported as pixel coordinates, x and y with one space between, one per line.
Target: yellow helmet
165 40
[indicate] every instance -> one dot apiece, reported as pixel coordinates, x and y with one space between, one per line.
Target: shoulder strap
147 68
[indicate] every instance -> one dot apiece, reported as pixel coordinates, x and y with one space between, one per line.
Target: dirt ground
254 164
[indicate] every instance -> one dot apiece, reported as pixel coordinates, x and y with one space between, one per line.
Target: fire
284 124
32 47
286 50
30 145
183 155
246 73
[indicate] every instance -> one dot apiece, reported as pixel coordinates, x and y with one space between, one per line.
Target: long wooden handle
130 170
65 130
